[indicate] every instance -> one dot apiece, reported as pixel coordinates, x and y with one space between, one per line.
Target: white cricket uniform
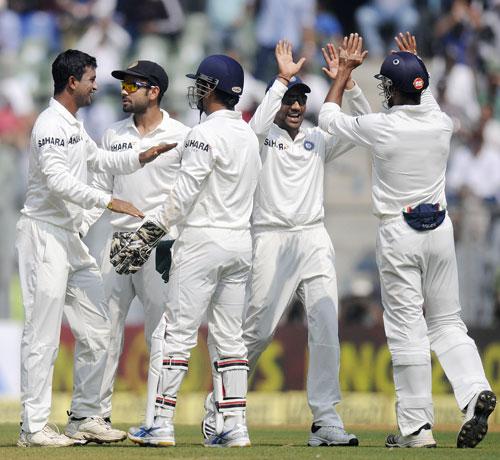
55 266
212 199
146 189
292 251
410 146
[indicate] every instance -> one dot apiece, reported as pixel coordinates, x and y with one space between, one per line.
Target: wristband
110 204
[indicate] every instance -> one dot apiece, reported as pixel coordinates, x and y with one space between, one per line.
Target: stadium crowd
459 38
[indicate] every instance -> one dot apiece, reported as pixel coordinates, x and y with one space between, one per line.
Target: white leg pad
234 373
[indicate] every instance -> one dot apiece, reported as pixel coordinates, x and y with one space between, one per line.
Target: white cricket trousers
120 290
302 261
55 268
419 284
210 269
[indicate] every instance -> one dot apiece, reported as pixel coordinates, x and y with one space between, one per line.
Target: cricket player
410 145
144 83
292 251
55 266
212 200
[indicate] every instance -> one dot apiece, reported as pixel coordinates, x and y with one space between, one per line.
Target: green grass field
289 443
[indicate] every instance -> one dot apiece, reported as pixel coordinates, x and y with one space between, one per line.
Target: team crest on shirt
308 145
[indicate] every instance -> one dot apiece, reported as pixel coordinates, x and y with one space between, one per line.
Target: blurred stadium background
460 41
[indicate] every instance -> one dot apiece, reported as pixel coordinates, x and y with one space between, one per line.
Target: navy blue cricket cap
148 70
294 81
406 71
226 70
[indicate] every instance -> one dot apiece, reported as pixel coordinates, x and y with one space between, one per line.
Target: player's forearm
263 117
337 88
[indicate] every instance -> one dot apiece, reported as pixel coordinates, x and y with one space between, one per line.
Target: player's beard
84 100
130 106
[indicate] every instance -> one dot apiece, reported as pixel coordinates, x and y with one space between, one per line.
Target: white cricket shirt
410 145
290 188
218 175
61 152
146 188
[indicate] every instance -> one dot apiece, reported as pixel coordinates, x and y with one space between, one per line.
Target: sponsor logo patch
418 83
236 89
196 145
121 146
274 144
51 140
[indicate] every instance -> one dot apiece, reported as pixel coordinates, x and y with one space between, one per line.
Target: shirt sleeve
53 148
100 160
263 118
356 99
100 181
198 160
358 130
358 105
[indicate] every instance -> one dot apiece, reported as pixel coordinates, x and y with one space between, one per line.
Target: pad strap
231 404
231 364
165 402
175 363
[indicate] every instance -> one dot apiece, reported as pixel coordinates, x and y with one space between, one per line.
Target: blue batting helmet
406 71
223 71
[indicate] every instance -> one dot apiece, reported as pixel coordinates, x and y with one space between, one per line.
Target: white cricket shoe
422 438
155 436
475 424
330 436
93 429
208 422
236 437
46 437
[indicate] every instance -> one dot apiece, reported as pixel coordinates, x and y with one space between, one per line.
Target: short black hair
227 99
70 63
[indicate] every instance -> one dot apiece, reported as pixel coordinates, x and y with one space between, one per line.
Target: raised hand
153 152
351 52
406 42
331 60
287 68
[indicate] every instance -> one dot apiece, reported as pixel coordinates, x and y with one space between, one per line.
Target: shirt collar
408 108
64 112
163 126
224 113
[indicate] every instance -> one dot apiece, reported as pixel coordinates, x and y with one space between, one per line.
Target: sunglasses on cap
132 87
289 99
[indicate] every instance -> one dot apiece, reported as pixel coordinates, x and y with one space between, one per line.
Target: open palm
286 66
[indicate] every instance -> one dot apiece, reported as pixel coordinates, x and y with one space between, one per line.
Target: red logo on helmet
418 83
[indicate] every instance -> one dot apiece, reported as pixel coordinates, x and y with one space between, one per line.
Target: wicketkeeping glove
163 259
130 252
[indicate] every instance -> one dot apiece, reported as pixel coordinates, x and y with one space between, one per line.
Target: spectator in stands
379 14
283 19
